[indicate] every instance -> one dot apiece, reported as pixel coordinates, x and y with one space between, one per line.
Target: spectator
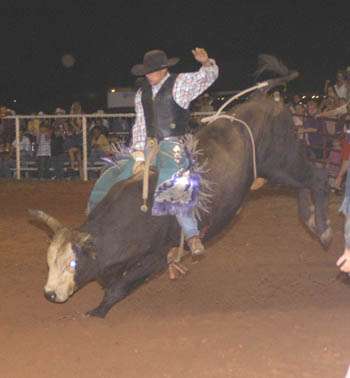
73 142
298 119
60 123
340 86
8 127
58 155
5 165
314 127
333 164
44 151
347 81
99 144
25 147
8 161
206 103
33 126
296 100
72 147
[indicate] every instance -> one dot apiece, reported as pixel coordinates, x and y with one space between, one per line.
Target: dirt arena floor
266 302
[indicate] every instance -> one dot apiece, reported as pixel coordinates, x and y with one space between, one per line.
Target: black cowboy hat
153 60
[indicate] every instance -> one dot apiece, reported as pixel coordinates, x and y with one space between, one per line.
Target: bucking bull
120 247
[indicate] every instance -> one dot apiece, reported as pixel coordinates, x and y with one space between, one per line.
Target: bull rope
232 118
153 150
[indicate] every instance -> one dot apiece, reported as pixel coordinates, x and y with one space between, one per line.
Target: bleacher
30 169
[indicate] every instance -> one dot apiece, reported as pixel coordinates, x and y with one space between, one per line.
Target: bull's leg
112 295
320 194
313 200
130 280
323 228
306 209
305 206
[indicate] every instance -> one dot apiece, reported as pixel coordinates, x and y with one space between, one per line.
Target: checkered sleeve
190 85
139 134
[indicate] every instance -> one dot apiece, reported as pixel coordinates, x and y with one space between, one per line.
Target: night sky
108 37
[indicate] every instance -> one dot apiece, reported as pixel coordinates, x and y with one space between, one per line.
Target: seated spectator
72 146
314 129
103 122
101 125
206 104
44 151
99 144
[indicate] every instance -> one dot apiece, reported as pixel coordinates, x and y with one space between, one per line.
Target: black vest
163 116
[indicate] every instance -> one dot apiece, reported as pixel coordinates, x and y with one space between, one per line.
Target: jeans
57 163
44 166
188 223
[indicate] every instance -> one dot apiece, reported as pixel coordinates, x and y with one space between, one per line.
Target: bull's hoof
176 270
197 257
97 313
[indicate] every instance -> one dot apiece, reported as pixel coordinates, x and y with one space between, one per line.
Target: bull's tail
269 63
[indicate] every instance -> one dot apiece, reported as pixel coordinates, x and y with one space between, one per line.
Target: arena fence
84 118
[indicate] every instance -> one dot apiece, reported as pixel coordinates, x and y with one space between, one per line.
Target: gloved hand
139 164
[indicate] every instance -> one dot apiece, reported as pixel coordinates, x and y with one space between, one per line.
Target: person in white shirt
340 86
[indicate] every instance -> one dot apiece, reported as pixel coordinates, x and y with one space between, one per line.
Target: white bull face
62 264
61 257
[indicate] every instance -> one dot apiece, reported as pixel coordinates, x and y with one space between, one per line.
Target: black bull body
119 246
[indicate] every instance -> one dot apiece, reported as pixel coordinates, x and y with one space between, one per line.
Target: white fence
84 118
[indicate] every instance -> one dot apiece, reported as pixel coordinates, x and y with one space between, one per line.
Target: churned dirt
266 302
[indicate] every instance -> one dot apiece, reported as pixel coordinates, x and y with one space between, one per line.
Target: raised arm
189 86
139 134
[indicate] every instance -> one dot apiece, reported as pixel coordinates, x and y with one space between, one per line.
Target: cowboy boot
195 245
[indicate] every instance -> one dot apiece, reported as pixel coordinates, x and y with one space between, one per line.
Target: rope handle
153 150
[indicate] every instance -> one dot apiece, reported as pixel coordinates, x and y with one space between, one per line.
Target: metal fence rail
84 118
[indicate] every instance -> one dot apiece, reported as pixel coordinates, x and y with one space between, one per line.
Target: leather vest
163 116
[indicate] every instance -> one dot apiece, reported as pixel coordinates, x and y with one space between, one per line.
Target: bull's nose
50 296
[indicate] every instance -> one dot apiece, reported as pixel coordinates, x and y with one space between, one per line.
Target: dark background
108 37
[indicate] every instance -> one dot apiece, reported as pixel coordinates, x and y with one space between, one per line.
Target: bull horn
51 222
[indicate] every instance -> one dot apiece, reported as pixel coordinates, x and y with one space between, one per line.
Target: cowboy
161 106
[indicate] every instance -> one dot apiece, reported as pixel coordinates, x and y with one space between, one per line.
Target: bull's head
62 257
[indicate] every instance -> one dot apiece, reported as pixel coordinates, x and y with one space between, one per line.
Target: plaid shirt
44 145
187 87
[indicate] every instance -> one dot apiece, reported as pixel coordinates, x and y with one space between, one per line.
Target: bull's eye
72 267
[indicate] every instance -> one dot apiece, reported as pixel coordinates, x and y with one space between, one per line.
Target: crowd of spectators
54 146
322 124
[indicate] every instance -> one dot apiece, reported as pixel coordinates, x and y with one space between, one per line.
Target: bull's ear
51 222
